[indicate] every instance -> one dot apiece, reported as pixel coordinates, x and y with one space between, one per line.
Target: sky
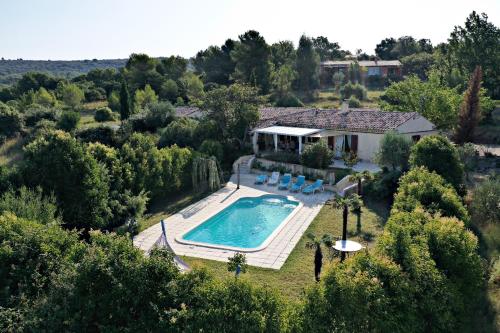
104 29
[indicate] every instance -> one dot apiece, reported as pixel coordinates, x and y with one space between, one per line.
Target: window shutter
354 143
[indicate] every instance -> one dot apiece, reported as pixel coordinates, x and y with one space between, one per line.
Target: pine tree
470 111
125 107
307 66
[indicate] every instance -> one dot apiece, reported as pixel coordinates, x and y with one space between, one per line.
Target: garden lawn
87 116
298 271
161 208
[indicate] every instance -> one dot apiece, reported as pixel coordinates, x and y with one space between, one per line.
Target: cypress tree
470 111
125 107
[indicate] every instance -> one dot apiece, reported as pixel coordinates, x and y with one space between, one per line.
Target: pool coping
265 244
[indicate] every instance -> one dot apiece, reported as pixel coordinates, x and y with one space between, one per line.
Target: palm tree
353 201
360 177
315 243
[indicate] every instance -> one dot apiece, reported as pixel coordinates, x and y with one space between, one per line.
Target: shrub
114 101
384 184
485 201
103 134
354 102
289 100
35 113
159 114
68 121
212 148
11 121
285 157
95 94
394 151
420 188
180 132
353 89
317 155
104 114
437 153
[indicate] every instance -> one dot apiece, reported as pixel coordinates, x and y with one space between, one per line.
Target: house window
415 138
373 71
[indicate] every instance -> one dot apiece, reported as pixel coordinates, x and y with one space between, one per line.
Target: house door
331 142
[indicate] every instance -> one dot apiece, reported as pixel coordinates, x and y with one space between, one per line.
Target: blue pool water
246 223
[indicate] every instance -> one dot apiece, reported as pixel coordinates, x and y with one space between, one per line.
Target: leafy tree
169 90
485 199
11 122
237 263
476 44
173 67
282 80
125 103
418 64
159 114
193 86
384 49
180 132
438 154
394 151
58 163
215 63
252 58
327 50
140 70
31 205
71 94
144 97
43 97
234 109
317 155
338 80
420 188
114 101
405 46
212 148
431 99
34 81
470 112
31 253
307 66
283 53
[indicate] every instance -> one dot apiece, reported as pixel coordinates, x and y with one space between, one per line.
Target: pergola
298 132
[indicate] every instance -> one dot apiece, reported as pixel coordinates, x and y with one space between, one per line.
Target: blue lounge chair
285 181
260 179
316 186
298 184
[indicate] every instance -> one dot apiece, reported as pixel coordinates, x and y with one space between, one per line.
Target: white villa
345 130
291 129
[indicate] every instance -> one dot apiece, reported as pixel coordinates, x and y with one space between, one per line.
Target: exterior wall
418 124
368 145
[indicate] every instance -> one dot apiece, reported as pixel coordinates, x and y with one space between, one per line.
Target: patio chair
316 186
297 186
275 177
285 181
260 179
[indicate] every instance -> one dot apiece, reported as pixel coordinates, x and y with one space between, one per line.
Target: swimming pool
245 225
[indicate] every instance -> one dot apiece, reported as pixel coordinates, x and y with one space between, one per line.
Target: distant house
348 130
370 69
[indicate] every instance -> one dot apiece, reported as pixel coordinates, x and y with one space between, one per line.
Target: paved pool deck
273 256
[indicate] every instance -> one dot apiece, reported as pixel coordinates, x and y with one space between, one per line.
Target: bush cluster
353 89
317 155
104 114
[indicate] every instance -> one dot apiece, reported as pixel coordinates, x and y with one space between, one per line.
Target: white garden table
347 246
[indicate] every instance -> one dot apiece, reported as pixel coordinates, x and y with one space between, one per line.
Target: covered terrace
282 138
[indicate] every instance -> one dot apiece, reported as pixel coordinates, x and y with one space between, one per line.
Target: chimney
345 106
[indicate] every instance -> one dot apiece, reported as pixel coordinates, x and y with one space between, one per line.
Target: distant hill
11 70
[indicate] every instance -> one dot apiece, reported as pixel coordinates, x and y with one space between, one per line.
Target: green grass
329 99
298 271
11 151
87 115
162 208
